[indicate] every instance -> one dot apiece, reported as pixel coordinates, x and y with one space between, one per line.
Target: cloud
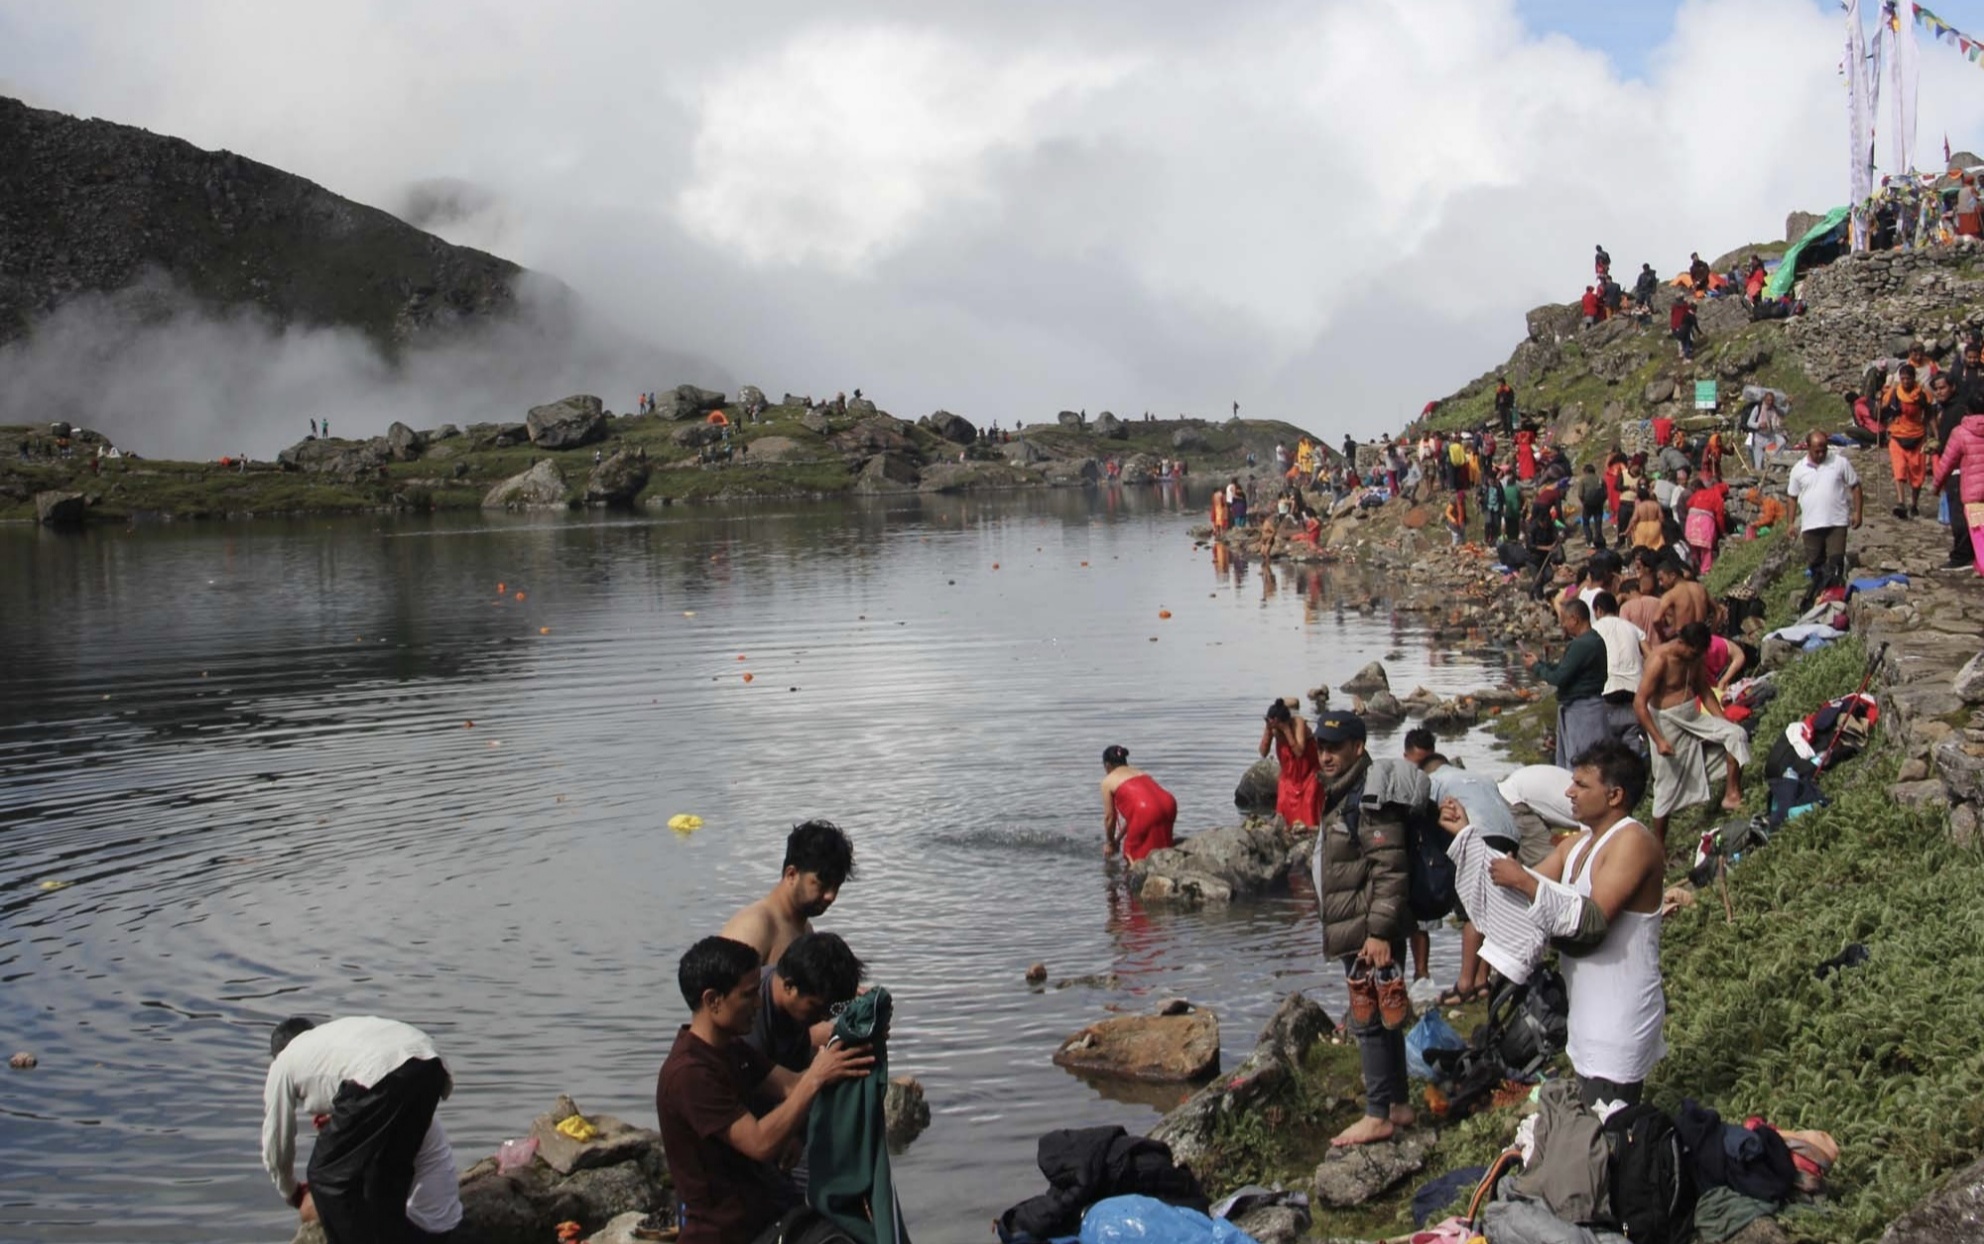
1327 211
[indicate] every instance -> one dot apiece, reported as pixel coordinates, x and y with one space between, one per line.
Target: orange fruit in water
520 595
995 565
747 678
1164 613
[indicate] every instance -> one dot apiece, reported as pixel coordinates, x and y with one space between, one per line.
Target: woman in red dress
1299 792
1134 804
1526 453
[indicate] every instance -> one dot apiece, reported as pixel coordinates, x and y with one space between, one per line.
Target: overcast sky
1327 211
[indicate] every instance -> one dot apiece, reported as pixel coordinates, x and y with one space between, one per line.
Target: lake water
237 782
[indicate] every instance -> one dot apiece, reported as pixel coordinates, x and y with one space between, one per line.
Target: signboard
1704 395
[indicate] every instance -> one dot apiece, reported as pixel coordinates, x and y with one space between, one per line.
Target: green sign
1704 395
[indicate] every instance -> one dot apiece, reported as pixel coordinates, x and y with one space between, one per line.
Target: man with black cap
382 1169
1362 873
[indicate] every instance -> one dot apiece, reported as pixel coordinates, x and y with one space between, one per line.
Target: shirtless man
1679 715
818 860
1615 866
1682 598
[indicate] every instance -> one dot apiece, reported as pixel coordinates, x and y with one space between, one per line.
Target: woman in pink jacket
1965 453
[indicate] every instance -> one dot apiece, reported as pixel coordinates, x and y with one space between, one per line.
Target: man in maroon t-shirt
723 1159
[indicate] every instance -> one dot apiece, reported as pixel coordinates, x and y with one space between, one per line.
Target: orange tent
718 417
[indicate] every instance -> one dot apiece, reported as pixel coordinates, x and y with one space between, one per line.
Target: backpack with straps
1652 1177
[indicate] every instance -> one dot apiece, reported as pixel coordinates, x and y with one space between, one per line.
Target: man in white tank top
1612 966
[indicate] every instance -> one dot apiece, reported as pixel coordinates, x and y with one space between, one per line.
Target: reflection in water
326 766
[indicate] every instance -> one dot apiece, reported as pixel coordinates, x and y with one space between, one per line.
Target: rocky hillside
94 206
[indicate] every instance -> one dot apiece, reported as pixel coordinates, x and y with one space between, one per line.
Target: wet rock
1285 1041
1213 867
59 509
905 1112
1037 974
1953 1212
1367 680
1452 715
1259 786
540 488
888 473
1159 1049
23 1061
404 443
1319 697
1358 1174
1382 708
567 424
956 429
617 480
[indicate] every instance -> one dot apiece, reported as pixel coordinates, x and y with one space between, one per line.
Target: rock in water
575 421
905 1113
617 480
1383 708
954 428
1259 787
60 509
1372 678
614 1142
1213 867
1357 1174
1156 1048
540 488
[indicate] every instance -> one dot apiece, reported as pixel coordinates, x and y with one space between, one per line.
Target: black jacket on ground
1090 1164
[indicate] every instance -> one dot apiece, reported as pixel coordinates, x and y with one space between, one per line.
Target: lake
238 780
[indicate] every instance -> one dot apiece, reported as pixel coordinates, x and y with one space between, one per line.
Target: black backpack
1528 1024
1430 890
1651 1176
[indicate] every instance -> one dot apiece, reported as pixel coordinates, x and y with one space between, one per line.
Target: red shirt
1590 303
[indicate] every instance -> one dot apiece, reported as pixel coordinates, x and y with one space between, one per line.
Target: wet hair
1577 609
820 848
1619 767
1905 372
1419 739
287 1031
1696 635
821 966
1851 395
1278 711
1605 603
714 963
1115 754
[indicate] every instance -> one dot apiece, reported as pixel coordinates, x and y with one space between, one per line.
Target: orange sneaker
1394 1001
1363 993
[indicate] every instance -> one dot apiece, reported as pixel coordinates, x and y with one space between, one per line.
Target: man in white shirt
1538 797
1825 501
382 1169
1625 659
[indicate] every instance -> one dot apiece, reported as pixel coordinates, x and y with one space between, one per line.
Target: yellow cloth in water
685 821
577 1128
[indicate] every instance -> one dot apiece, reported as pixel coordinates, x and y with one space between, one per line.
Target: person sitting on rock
1138 815
1613 869
818 861
722 1157
381 1168
1362 872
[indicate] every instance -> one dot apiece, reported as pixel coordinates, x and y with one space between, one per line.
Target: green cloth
1580 675
847 1151
1722 1212
1786 276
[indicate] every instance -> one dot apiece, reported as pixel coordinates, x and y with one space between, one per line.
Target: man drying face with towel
1683 721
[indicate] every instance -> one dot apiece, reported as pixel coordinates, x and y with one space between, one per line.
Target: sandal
1461 997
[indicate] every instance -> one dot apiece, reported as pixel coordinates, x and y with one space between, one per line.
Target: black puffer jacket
1086 1165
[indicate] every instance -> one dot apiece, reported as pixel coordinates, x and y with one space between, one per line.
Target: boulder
816 421
956 429
60 509
778 449
1953 1212
1659 391
615 1142
617 480
875 434
497 435
1139 469
1213 867
1272 1224
696 435
1161 1049
1022 452
751 395
1553 323
1191 439
1367 680
1798 224
1382 708
1960 765
1357 1174
540 488
446 432
1257 1084
1259 787
1108 426
686 401
1969 682
862 408
888 473
905 1113
404 443
1069 419
575 421
1451 715
1072 472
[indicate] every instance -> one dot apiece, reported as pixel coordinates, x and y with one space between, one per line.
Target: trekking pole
1866 678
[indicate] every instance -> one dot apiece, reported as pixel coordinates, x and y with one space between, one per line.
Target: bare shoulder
753 926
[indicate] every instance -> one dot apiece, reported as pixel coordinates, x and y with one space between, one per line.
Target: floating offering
747 678
685 822
1164 613
56 885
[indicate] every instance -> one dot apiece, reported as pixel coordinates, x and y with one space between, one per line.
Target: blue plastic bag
1430 1033
1145 1220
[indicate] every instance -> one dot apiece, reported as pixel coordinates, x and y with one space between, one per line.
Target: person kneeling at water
722 1157
1137 813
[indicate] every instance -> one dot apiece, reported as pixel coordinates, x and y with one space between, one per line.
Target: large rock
540 488
751 395
1659 391
497 435
1022 452
1969 682
345 459
1214 867
1109 426
60 509
1256 1085
1553 323
954 428
696 435
1960 765
1161 1049
816 421
875 434
1372 678
615 1142
1274 1224
1953 1212
1259 788
575 421
1071 472
888 472
905 1113
686 401
778 449
1069 419
862 408
404 443
1357 1174
617 480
